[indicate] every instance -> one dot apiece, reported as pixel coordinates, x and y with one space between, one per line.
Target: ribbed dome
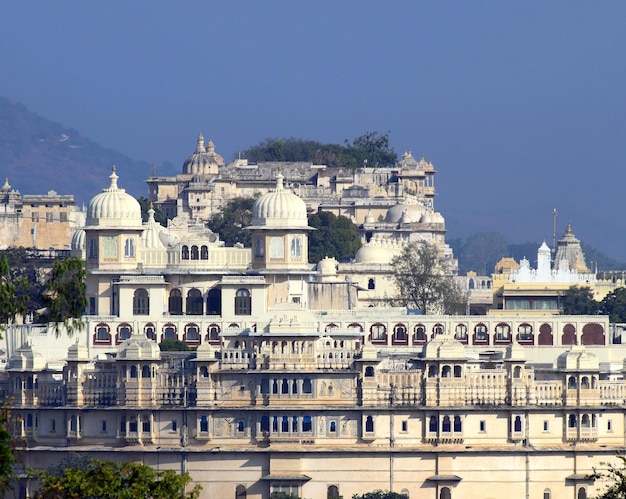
114 208
204 161
78 240
279 208
150 236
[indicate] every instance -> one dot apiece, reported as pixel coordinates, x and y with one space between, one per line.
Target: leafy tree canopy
380 494
145 205
614 305
172 345
109 480
423 281
335 237
370 149
231 222
64 296
579 300
7 450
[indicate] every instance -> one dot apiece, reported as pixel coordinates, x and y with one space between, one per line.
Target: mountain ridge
38 155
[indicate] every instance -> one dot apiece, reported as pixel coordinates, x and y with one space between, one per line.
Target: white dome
138 347
279 208
78 240
150 237
114 208
408 211
380 251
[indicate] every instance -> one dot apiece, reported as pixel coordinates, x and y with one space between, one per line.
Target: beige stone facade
41 221
303 379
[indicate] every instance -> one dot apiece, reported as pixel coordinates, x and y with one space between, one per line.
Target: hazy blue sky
520 105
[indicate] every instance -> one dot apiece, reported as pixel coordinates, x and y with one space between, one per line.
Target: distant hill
38 155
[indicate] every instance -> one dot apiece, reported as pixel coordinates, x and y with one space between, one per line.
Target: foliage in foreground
380 494
7 450
109 480
616 478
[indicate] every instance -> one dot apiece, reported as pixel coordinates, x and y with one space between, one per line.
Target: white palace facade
302 380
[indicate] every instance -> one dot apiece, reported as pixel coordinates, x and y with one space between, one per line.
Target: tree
423 281
7 450
64 296
615 476
579 301
173 345
614 305
335 237
11 303
380 494
231 222
374 147
110 480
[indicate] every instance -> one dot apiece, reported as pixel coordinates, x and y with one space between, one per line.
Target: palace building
303 379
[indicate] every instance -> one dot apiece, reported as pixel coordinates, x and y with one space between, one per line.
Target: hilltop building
40 221
303 379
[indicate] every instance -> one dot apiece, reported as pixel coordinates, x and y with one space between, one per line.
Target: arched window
432 371
103 333
547 494
582 493
369 424
517 425
192 333
307 425
296 248
214 302
123 331
150 331
169 332
332 427
175 302
194 302
241 426
480 332
369 372
145 424
460 332
141 302
571 421
457 371
503 332
145 372
133 372
243 302
517 372
129 248
333 492
240 492
399 333
457 424
378 332
446 372
584 383
446 426
213 333
571 383
445 493
204 252
420 332
184 252
433 424
265 423
195 255
306 385
204 424
585 421
371 283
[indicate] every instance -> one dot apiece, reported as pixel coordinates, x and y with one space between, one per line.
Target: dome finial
113 177
200 142
279 179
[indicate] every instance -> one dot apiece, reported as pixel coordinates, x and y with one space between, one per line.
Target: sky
519 105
